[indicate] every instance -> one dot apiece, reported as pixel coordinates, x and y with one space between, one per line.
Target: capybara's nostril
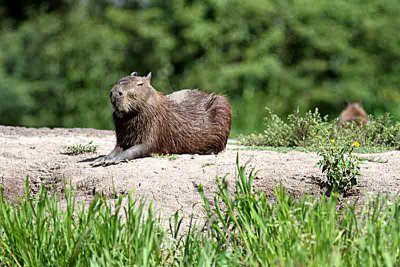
116 94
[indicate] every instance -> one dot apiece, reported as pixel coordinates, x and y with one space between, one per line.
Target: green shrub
308 129
340 166
297 130
277 132
313 130
379 131
78 149
384 131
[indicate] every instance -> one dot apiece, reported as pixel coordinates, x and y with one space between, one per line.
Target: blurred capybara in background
354 112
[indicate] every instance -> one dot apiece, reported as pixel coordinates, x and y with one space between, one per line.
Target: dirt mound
170 182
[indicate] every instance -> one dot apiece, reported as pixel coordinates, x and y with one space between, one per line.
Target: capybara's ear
148 77
360 102
134 73
346 103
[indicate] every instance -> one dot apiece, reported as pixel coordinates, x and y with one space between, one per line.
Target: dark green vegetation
312 130
242 228
59 59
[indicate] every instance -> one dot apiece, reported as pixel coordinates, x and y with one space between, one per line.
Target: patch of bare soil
169 182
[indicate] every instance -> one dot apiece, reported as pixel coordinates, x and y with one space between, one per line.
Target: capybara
147 121
354 112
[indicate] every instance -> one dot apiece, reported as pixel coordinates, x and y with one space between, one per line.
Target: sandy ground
170 183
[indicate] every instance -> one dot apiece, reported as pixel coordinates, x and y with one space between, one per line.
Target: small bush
313 130
340 166
78 149
309 129
297 130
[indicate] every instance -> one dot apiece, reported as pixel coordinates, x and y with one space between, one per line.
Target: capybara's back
205 121
354 112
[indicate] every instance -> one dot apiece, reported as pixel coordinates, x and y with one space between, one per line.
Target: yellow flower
356 144
332 141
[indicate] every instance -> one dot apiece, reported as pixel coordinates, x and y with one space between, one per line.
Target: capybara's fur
184 122
354 112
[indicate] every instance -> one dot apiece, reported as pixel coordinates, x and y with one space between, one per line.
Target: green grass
207 164
167 156
78 149
243 228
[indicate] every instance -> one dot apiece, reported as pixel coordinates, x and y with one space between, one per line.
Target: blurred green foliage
58 61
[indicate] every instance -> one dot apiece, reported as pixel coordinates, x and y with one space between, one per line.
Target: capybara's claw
114 160
109 162
97 162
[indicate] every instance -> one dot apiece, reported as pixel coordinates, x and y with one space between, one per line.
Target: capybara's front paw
115 160
107 161
98 162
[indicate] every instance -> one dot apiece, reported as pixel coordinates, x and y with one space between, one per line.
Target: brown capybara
354 112
147 121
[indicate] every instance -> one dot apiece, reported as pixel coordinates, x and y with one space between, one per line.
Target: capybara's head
131 93
355 109
354 112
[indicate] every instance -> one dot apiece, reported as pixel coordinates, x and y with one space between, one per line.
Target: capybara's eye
139 84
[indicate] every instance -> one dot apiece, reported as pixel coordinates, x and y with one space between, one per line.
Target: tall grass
242 227
38 232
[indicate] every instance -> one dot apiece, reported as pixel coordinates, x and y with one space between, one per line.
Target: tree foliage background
59 59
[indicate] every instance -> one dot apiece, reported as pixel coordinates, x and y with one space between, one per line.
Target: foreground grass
242 228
